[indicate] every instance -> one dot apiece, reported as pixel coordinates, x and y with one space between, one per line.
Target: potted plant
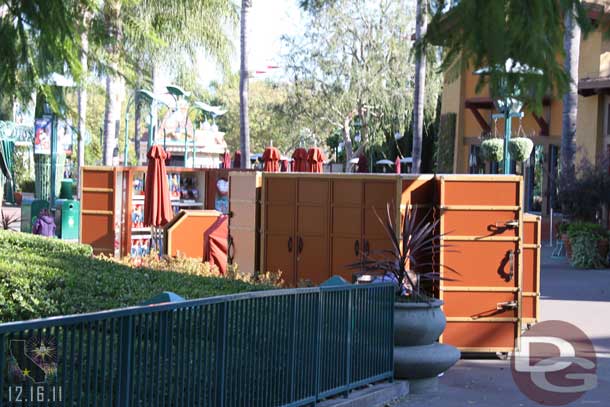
520 148
492 150
418 317
589 245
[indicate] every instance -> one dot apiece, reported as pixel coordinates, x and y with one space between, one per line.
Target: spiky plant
411 256
8 219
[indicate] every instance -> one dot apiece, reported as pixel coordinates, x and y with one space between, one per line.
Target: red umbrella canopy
157 207
237 159
226 160
315 159
300 160
271 158
397 164
363 164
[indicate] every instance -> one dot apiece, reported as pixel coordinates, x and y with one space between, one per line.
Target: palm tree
420 85
114 33
571 43
82 91
244 125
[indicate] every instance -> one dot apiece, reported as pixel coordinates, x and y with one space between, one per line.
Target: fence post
221 350
293 326
124 368
350 331
318 355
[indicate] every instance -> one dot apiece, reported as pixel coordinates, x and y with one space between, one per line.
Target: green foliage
27 185
446 143
483 33
41 277
585 253
270 117
492 149
520 148
588 229
585 196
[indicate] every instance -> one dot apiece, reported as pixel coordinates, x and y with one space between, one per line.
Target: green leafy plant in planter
492 150
520 148
418 318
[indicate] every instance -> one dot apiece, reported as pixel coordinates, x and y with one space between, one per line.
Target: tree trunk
113 81
571 43
244 124
420 86
82 95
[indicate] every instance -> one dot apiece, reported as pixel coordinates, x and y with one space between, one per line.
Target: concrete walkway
581 297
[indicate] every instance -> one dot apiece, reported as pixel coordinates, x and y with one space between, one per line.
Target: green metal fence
272 348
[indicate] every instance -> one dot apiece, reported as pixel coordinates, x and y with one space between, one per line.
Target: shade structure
397 164
363 164
300 160
157 207
271 159
226 160
315 160
237 159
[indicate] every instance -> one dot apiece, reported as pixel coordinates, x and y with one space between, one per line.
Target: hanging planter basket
492 150
520 148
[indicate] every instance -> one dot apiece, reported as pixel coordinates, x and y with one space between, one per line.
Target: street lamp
507 98
152 101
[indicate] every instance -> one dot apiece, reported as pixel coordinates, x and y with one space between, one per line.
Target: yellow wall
594 61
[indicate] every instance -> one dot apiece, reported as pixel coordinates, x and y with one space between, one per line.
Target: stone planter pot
418 357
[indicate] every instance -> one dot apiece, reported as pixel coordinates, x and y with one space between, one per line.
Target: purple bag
44 225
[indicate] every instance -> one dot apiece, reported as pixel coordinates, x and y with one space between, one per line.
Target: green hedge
42 277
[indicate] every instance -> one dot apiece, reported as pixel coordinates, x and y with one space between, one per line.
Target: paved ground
579 297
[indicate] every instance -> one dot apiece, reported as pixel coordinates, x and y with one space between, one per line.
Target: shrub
27 185
587 229
520 148
492 150
41 277
585 254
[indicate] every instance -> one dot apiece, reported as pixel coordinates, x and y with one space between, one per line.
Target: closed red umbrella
285 167
271 158
315 159
397 165
300 160
157 206
363 164
237 159
226 160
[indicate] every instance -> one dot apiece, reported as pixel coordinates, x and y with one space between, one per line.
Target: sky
268 21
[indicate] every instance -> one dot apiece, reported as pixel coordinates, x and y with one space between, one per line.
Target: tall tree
244 124
114 36
351 72
420 84
82 90
570 98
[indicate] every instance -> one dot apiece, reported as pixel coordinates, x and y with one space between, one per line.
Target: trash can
30 209
67 219
66 189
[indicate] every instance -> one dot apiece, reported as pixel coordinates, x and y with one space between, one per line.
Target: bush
41 277
585 253
587 229
27 185
492 150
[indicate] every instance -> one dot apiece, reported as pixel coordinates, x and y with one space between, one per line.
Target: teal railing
273 348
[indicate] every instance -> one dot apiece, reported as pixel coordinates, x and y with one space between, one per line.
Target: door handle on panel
357 247
511 265
509 305
366 247
290 244
300 245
